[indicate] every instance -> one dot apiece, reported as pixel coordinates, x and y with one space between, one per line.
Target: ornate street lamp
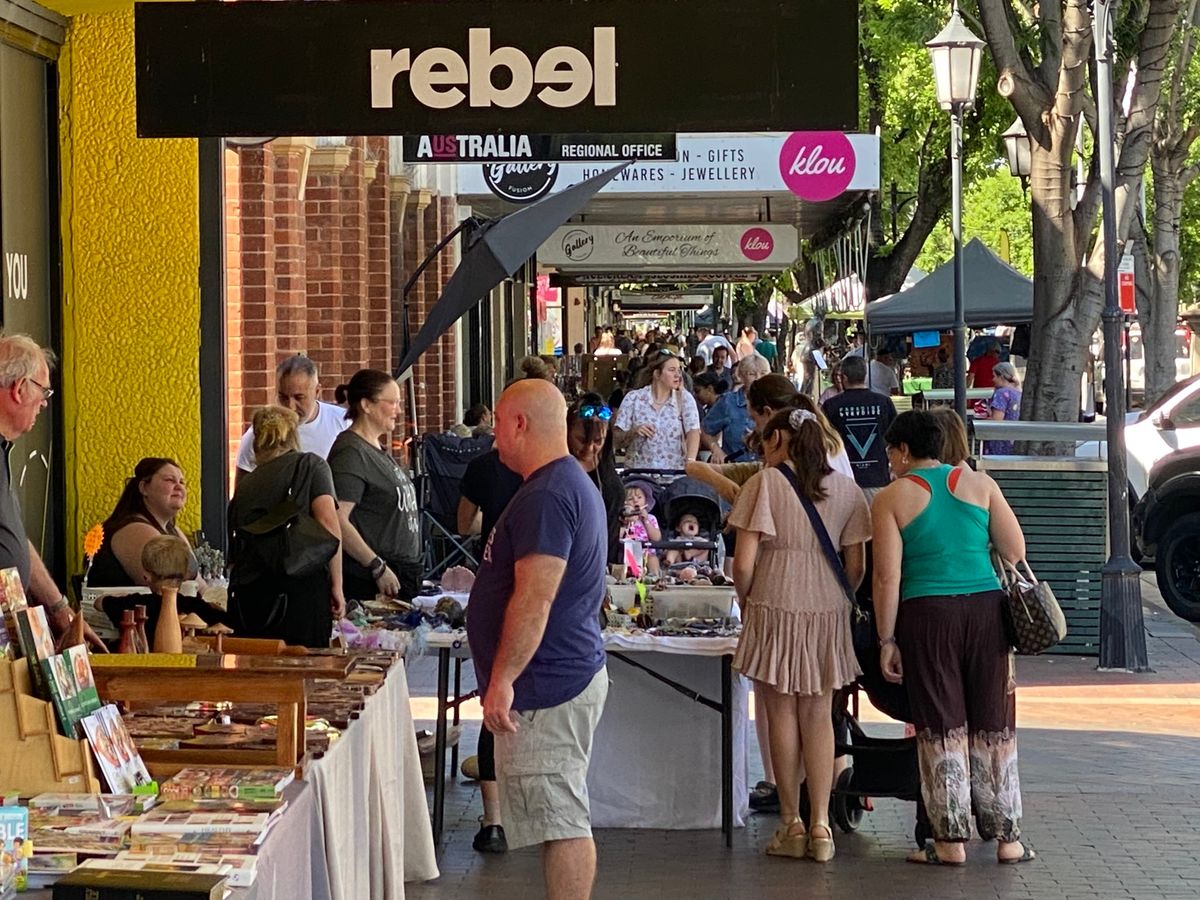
1018 151
1122 629
956 53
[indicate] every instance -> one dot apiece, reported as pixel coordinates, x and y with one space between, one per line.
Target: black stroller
681 497
880 767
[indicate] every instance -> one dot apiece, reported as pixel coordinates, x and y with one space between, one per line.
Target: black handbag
286 540
862 625
1034 620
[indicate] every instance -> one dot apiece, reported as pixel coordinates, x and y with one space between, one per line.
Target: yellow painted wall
132 300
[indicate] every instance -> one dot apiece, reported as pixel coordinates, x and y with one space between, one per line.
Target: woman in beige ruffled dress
796 643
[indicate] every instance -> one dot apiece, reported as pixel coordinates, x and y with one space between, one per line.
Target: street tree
1045 67
1160 235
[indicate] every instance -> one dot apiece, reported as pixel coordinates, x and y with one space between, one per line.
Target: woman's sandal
820 848
928 856
786 843
1028 855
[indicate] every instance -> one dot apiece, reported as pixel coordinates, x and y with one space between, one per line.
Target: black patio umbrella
501 247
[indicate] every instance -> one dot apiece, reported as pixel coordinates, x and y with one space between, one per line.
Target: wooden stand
244 679
34 757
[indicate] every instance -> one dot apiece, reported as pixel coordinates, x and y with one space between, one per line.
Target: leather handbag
862 625
286 540
1034 619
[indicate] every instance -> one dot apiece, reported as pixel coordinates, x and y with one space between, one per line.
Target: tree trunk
1159 316
1059 341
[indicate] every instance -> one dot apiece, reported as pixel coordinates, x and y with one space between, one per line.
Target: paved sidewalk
1108 772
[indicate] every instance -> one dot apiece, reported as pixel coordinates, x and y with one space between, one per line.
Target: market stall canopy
994 293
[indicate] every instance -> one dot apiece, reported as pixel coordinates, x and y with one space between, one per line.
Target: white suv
1172 423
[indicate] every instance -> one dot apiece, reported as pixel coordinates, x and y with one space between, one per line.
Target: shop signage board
647 247
755 163
501 66
666 277
502 148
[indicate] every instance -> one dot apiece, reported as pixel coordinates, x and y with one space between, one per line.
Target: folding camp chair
442 461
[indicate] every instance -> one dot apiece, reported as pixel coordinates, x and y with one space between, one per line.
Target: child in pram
638 523
687 529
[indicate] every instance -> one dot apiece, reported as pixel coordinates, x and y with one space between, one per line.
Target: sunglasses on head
591 411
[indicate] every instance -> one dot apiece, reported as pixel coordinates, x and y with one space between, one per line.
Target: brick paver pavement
1111 804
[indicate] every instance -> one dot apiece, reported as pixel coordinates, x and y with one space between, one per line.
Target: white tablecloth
371 798
656 759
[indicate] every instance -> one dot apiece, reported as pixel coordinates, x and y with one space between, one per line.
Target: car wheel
1178 567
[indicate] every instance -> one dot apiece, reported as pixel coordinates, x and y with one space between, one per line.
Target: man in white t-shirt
300 391
708 341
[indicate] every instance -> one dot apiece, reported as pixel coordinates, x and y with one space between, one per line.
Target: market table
370 800
642 774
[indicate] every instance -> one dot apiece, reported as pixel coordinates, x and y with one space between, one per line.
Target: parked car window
1187 414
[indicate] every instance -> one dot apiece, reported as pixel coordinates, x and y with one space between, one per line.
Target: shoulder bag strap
818 526
291 491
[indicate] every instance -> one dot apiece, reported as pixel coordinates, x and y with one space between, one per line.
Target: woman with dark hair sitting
146 509
939 612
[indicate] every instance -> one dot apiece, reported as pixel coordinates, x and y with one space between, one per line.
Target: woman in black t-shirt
377 504
301 610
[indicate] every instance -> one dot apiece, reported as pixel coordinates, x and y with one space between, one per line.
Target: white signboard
751 247
755 163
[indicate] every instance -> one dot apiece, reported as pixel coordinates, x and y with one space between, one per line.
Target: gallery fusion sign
750 247
473 67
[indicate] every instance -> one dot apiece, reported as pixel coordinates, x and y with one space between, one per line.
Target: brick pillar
233 302
415 248
352 205
257 242
323 255
292 157
447 348
378 307
399 191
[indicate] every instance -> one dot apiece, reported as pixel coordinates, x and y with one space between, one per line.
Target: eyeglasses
47 392
592 411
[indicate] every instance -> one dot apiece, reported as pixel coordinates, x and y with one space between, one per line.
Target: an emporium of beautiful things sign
750 247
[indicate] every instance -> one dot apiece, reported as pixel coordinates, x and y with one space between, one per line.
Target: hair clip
799 416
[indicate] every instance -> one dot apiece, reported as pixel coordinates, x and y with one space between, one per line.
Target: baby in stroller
687 529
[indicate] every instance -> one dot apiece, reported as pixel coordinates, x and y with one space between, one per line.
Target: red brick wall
317 268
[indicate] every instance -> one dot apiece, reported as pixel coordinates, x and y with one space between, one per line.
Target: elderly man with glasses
24 392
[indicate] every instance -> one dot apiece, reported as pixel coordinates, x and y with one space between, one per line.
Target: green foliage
915 131
993 206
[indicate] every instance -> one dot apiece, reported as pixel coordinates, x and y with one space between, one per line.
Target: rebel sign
817 165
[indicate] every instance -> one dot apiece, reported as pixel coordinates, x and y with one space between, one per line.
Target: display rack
34 757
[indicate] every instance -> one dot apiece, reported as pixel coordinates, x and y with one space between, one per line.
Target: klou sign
431 67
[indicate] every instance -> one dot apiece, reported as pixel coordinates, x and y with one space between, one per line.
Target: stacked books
264 784
168 830
69 828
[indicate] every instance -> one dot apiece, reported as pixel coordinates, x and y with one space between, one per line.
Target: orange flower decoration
93 540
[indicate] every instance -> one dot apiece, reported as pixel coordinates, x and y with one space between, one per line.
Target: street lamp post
1122 630
1018 151
956 53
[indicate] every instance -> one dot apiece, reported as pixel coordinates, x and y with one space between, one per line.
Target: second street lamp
956 53
1018 151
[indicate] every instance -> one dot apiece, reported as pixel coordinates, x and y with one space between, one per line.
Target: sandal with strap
1028 855
821 849
786 843
928 856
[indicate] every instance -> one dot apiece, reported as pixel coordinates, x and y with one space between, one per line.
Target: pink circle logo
757 244
816 165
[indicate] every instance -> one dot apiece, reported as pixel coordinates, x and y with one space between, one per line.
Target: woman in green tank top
938 610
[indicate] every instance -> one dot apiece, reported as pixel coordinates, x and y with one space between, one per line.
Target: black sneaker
490 838
764 797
